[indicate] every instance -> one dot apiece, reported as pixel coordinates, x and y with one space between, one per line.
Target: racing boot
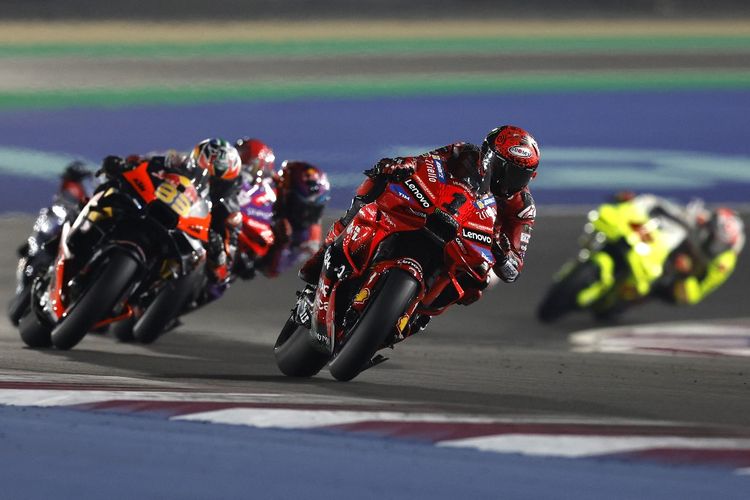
310 270
367 192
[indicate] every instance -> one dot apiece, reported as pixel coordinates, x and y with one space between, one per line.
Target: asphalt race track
492 358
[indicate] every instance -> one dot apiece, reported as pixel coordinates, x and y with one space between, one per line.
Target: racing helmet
77 182
510 156
305 190
724 230
217 157
256 157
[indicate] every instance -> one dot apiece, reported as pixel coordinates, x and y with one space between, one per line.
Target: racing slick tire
97 300
19 305
296 356
123 329
376 324
561 297
33 332
164 309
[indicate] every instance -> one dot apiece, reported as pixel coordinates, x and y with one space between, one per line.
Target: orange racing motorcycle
400 261
139 240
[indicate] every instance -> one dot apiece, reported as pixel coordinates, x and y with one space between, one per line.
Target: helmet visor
507 178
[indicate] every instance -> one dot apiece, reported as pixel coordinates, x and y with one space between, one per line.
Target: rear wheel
97 300
376 324
296 356
561 298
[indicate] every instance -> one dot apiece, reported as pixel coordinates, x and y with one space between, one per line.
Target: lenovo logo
418 194
475 236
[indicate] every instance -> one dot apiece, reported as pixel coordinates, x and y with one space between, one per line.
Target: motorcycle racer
76 187
257 159
706 257
219 162
302 191
297 195
222 162
504 164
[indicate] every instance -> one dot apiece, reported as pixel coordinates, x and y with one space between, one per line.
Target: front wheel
562 297
34 332
165 308
97 300
19 305
123 330
376 324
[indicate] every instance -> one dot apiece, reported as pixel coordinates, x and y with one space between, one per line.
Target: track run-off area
487 402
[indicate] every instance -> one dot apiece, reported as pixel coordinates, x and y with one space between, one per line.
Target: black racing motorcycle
135 243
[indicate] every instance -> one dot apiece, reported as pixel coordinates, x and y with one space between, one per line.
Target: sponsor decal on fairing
479 227
435 172
400 192
477 236
418 194
487 201
413 264
486 253
362 296
402 322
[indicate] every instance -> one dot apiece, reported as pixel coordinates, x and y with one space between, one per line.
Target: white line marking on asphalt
53 397
305 419
730 338
584 446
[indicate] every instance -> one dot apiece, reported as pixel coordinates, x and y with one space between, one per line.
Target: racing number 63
177 201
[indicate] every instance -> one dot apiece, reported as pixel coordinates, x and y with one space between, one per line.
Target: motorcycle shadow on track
201 356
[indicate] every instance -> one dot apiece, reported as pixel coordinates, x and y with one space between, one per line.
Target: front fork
324 329
322 317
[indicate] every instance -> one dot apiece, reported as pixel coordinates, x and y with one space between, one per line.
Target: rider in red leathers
509 155
299 191
302 192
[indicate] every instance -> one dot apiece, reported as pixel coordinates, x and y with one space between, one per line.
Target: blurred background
643 95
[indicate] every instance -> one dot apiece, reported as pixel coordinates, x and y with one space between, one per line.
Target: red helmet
77 182
257 158
510 155
216 156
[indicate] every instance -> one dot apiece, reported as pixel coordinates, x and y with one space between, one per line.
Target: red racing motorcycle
402 260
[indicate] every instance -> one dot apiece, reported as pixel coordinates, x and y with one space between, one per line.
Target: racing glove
217 258
506 263
397 169
112 166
